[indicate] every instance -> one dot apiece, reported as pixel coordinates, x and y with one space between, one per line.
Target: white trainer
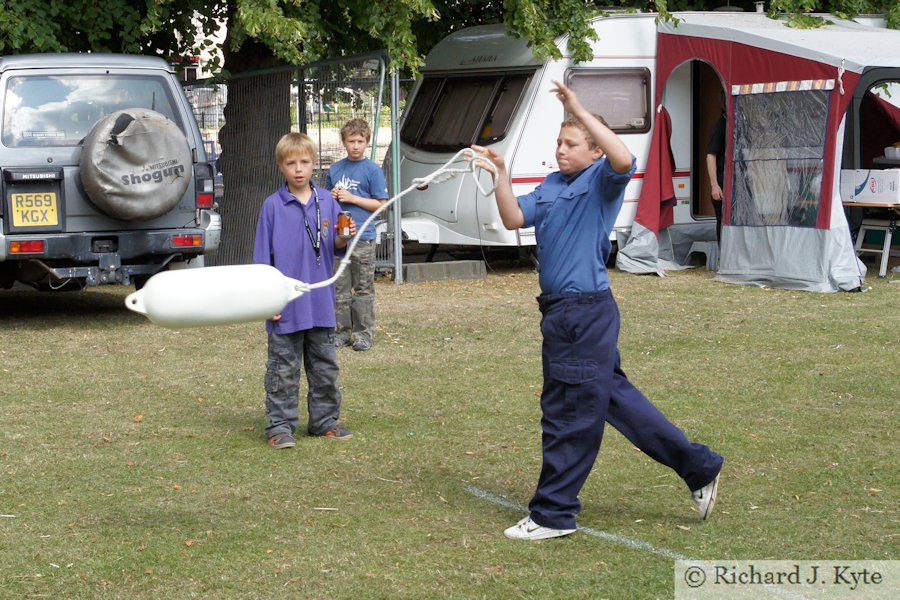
705 498
526 529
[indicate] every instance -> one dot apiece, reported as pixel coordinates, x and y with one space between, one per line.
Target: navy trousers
584 388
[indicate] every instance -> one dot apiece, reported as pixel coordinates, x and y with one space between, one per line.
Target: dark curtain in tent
881 122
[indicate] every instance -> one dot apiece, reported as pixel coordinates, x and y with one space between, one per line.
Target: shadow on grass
86 308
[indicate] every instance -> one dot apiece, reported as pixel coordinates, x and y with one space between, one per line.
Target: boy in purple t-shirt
296 234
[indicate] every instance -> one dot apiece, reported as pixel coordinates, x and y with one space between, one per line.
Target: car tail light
206 189
27 247
187 241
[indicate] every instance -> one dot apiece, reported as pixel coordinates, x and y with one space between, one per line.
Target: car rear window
40 110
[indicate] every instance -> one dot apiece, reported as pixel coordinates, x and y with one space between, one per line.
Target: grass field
133 462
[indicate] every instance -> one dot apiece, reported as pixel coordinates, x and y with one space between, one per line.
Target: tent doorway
707 92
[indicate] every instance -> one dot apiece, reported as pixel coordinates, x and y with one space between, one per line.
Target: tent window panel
620 96
779 148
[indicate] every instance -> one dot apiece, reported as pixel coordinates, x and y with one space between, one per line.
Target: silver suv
103 172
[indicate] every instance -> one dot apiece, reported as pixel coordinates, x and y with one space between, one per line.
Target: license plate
34 209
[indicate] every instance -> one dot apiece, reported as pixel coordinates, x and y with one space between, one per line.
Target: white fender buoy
214 295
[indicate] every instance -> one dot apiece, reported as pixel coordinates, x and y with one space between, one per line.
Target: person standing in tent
715 166
573 212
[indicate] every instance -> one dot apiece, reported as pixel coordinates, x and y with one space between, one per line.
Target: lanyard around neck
315 240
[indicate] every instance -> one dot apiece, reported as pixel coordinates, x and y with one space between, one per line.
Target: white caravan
802 104
482 86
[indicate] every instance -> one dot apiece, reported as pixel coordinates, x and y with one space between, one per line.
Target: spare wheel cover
135 164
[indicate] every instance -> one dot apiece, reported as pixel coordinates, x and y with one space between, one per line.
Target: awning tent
788 91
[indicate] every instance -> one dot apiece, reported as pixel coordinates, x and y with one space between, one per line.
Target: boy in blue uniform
296 234
359 185
573 212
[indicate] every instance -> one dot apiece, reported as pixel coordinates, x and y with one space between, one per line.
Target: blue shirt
283 241
361 178
573 218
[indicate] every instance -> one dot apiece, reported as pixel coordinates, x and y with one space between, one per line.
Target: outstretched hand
489 155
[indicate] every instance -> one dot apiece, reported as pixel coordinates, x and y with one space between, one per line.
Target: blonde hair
573 122
295 143
356 127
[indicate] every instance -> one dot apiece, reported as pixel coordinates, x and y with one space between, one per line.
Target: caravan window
620 96
779 149
451 113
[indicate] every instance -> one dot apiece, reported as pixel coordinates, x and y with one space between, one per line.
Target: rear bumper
112 256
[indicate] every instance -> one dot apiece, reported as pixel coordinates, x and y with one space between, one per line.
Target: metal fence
322 97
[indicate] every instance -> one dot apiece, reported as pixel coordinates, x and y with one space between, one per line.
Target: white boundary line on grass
612 537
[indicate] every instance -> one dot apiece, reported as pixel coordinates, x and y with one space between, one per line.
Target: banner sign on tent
804 85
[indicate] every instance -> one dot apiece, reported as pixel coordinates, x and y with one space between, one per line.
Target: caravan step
436 271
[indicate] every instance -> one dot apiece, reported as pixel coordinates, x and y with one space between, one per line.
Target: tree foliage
269 33
299 31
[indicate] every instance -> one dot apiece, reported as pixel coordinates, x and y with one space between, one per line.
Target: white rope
445 173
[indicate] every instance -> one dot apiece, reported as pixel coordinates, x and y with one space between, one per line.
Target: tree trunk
257 113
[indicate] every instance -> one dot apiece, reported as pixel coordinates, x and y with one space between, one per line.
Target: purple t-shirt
284 241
